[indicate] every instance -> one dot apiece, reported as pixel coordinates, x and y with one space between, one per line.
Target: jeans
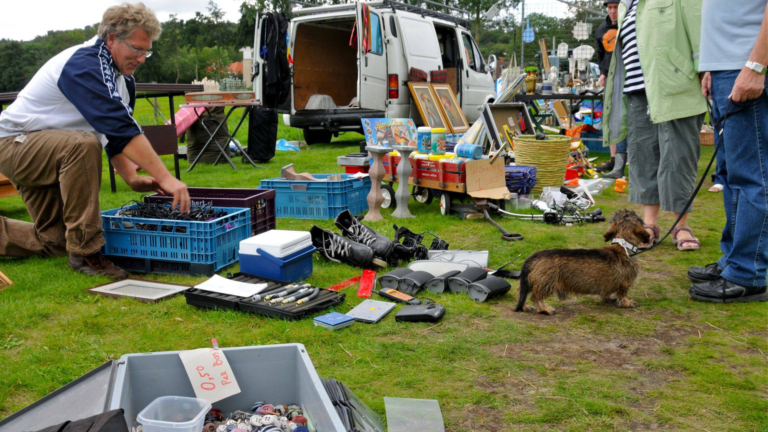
621 147
744 242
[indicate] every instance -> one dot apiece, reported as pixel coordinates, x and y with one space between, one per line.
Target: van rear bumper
333 120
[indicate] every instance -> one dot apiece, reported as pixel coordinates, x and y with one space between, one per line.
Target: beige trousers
58 174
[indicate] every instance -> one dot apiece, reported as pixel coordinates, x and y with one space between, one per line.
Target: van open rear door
420 45
257 69
372 59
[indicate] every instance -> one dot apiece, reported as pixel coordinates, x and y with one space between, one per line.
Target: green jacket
668 33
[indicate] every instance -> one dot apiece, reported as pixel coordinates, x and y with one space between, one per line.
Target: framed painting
426 102
451 110
396 131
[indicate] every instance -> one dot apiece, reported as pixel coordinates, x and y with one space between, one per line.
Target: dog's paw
610 300
548 311
626 303
528 308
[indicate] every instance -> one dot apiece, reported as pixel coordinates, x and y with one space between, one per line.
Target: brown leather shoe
96 265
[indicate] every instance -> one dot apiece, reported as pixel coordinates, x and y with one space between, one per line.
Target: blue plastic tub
319 199
290 268
214 242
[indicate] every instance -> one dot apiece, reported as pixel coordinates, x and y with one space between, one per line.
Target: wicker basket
707 138
550 157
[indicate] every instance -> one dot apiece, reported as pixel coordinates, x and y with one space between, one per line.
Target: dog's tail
525 287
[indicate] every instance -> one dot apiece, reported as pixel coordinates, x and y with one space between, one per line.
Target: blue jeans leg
744 242
621 147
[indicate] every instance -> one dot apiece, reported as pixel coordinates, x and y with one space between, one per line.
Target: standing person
605 38
734 56
654 75
52 136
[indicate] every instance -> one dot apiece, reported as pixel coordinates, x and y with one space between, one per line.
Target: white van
334 85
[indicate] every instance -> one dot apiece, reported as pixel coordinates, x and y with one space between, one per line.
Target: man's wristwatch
757 67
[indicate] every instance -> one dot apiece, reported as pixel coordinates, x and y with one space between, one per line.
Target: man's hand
144 184
172 186
601 80
706 84
749 85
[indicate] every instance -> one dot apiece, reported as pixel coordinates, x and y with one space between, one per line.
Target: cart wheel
445 204
389 197
422 195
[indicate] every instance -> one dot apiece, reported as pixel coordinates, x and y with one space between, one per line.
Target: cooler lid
84 397
277 243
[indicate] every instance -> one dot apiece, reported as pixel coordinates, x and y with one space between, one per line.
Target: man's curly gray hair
122 20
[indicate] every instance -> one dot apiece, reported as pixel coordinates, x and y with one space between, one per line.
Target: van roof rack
445 12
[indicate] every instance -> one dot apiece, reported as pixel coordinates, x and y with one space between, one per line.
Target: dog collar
625 244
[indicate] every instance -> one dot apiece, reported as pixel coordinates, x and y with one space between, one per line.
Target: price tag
210 374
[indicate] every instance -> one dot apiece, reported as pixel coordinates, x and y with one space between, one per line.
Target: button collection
263 417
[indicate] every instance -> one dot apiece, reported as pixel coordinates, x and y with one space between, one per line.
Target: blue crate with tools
323 199
210 245
520 178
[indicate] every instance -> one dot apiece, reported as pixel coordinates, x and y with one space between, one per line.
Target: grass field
670 364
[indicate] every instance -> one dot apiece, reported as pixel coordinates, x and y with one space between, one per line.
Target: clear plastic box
174 414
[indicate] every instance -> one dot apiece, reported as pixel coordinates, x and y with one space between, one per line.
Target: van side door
476 81
371 58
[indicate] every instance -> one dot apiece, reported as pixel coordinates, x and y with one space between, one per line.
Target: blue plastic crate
593 141
213 242
319 199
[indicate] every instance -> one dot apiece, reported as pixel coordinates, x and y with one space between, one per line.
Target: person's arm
750 84
140 152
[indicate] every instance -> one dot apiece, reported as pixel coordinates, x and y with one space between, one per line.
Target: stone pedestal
403 194
375 198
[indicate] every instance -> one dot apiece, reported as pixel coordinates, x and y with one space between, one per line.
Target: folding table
248 105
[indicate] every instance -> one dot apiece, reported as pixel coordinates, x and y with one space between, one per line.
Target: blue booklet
334 321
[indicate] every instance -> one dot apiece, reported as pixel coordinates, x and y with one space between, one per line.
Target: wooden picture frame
426 102
450 108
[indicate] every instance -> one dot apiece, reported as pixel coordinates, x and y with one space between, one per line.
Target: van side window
469 52
376 40
392 27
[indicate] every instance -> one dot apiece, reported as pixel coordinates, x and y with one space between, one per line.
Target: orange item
620 185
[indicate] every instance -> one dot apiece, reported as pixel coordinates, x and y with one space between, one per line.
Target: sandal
691 244
655 232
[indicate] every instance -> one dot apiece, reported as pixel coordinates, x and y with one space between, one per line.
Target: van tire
317 136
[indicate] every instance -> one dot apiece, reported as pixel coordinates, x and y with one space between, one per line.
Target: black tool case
288 311
211 300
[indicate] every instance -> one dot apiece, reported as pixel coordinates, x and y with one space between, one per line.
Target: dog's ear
642 234
611 233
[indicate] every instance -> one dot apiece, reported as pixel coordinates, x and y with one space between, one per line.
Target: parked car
334 85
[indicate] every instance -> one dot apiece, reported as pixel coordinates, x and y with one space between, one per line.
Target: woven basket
707 138
550 157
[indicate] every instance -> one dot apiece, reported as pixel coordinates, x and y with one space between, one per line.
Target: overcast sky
26 19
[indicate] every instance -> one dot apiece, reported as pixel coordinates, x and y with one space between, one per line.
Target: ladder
443 12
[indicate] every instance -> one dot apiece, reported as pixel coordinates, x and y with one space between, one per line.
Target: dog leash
718 142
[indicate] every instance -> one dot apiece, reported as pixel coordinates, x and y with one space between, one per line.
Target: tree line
205 45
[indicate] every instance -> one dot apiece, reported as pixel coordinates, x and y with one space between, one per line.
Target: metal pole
522 30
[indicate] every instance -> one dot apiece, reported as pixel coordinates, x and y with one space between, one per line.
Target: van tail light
394 86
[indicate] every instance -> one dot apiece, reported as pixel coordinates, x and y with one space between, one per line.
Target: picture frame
426 102
450 107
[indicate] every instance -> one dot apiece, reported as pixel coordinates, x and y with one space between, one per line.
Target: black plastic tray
210 300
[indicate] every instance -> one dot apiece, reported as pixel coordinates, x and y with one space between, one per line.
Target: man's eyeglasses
139 52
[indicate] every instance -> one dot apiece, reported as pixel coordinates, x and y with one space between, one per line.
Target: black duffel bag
262 133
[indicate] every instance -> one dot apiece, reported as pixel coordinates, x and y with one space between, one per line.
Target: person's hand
749 85
173 186
601 81
144 184
706 84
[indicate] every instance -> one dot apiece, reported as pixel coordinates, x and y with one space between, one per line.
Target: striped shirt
634 78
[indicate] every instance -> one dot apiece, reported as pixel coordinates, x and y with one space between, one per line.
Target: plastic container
319 199
470 151
438 141
278 243
292 379
174 414
260 201
290 268
425 139
213 242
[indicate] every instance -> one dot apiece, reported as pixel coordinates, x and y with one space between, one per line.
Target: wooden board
6 188
221 97
4 281
433 184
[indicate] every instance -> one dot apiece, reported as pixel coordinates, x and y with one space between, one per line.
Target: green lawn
670 364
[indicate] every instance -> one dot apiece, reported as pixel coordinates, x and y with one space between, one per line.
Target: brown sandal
691 244
655 234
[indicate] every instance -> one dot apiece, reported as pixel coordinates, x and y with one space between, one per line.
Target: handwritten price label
210 374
